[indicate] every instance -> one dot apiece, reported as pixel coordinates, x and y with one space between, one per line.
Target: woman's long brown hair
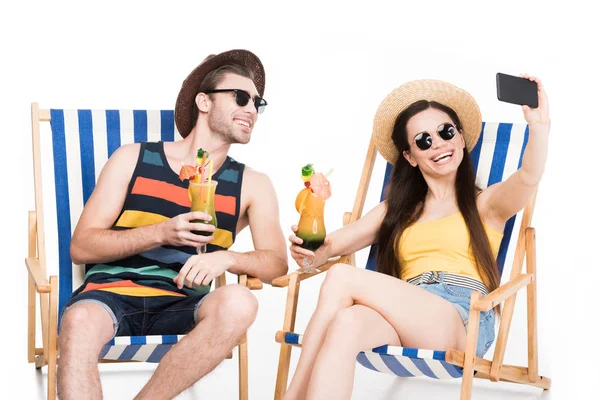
406 193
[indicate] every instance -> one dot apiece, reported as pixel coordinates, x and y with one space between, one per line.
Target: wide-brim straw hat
431 90
186 100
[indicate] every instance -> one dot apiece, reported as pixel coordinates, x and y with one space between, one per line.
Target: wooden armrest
254 283
284 281
250 282
503 292
35 272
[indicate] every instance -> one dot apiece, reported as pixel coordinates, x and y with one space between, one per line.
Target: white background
327 66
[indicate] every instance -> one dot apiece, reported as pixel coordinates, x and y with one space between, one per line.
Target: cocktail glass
311 227
202 196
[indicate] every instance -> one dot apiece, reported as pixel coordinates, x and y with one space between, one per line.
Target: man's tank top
156 194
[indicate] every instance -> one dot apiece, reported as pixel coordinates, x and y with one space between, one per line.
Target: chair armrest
284 281
503 292
35 272
246 280
254 283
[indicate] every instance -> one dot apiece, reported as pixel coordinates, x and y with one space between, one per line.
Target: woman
438 236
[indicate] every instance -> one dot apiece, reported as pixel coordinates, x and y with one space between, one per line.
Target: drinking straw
210 169
202 175
202 167
329 173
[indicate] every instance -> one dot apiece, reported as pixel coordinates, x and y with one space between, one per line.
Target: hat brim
189 89
431 90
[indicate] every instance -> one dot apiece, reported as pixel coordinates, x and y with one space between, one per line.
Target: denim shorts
142 316
460 297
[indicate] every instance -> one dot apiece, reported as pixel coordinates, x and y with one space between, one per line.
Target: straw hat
189 89
431 90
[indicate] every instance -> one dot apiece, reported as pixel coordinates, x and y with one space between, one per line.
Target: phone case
516 90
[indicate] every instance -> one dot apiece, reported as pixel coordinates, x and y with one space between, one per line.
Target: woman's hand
306 258
539 116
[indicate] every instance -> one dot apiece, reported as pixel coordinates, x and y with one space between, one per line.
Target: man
143 276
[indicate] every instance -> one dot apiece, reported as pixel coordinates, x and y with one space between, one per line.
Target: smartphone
516 90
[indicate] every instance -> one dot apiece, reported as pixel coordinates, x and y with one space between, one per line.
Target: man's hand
201 269
177 230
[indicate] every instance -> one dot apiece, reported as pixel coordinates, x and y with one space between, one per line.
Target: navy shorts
142 316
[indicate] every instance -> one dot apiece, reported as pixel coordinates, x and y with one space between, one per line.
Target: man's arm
94 241
269 259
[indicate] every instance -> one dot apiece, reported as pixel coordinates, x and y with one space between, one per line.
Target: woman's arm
343 241
501 201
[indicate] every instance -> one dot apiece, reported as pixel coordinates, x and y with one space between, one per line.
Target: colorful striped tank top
156 194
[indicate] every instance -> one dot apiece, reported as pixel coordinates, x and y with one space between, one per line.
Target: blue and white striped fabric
407 363
400 361
496 156
81 143
139 348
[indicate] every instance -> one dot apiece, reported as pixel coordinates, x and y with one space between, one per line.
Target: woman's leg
327 308
421 319
353 330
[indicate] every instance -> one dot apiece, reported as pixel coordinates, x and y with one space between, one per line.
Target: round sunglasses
424 140
242 98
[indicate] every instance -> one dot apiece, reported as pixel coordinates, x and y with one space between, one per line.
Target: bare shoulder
107 199
257 188
126 153
120 166
124 158
254 179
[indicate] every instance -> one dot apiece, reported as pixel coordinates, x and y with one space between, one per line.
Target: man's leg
224 317
85 328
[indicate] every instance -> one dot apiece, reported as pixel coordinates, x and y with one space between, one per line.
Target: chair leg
243 367
31 313
52 338
471 347
289 321
31 292
283 370
52 379
532 345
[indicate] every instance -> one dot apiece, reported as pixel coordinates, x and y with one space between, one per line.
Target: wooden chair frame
505 294
47 286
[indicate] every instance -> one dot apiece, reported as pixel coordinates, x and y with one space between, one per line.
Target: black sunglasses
242 97
424 141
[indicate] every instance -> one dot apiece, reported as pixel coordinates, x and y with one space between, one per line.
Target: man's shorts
142 316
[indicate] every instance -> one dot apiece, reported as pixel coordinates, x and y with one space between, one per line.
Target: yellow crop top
441 245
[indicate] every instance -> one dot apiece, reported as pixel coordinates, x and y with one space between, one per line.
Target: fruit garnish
320 185
201 153
188 172
307 172
301 197
201 157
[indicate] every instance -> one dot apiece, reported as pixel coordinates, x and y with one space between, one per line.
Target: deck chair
497 154
71 158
